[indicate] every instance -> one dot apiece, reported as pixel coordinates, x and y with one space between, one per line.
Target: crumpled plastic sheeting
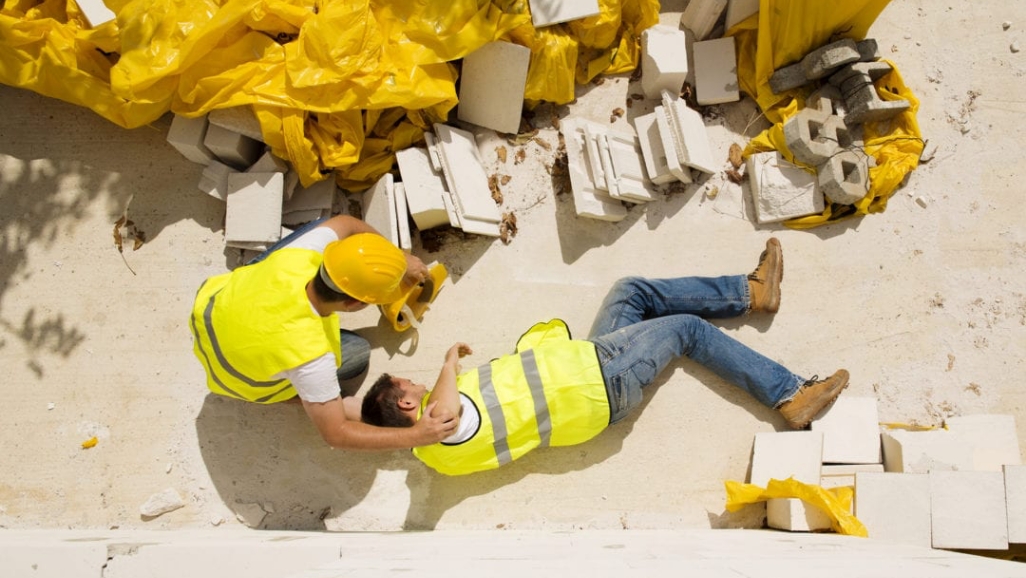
835 502
336 84
783 34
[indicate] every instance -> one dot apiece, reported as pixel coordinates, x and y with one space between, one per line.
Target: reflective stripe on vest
541 407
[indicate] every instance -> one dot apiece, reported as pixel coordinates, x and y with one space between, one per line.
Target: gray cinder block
822 61
844 178
788 77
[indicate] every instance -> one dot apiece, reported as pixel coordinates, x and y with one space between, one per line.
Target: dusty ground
924 304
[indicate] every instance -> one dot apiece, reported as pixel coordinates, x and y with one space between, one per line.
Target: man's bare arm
339 432
445 396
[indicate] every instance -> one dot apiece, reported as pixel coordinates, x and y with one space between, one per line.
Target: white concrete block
232 148
894 507
238 119
318 196
492 83
379 208
253 211
994 439
715 71
669 140
424 188
268 163
700 16
1015 502
294 218
214 180
794 515
656 169
851 431
402 217
849 469
831 482
782 455
546 12
628 181
968 510
465 174
590 200
739 10
664 60
95 12
690 137
186 135
919 452
781 190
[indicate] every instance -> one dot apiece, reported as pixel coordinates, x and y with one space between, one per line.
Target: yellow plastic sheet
835 502
781 34
313 71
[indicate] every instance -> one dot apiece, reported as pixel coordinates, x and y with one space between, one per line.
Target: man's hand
416 271
455 352
434 426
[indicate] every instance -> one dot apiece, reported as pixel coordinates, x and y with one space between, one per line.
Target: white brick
465 175
715 71
664 60
590 200
794 515
402 217
690 137
700 16
894 507
214 180
95 12
269 163
994 439
738 10
318 196
670 141
830 482
781 190
652 150
968 510
253 212
186 135
851 431
379 208
1015 502
919 452
492 82
546 12
424 188
849 469
782 455
238 119
232 148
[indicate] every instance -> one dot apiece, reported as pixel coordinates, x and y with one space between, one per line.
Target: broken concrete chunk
669 139
716 71
167 501
589 199
700 16
864 104
465 175
787 78
690 137
492 83
664 60
822 61
781 190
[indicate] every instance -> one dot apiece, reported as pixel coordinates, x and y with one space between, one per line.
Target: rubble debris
929 151
781 190
1014 47
467 181
493 186
500 153
519 156
507 228
505 179
161 503
617 113
542 143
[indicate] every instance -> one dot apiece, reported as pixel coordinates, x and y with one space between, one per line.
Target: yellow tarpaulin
336 84
782 33
835 502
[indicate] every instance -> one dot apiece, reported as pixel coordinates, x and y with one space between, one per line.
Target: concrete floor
923 303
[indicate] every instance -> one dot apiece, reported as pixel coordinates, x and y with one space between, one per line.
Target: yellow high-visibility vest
257 321
549 393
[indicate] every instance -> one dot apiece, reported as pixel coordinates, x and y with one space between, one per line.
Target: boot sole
774 297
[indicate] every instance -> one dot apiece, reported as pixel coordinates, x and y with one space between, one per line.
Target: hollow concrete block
825 59
844 177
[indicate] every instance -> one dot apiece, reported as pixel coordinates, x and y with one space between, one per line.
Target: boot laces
754 275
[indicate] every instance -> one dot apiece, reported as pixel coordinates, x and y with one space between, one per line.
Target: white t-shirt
470 421
316 380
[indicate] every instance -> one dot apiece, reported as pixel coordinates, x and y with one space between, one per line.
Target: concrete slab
794 515
186 135
851 431
716 71
656 168
690 137
894 507
630 180
782 455
253 212
1015 503
994 438
780 189
670 139
402 217
920 452
214 180
464 174
967 510
589 199
424 188
238 119
492 82
233 149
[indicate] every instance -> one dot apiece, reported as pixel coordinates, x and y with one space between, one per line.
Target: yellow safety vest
257 321
549 393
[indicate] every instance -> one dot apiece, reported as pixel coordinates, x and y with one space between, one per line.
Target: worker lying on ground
555 391
269 331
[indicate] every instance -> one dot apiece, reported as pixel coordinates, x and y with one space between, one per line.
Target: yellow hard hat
365 266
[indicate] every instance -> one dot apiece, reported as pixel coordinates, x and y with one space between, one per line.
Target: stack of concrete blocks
549 12
305 204
492 82
607 168
455 153
851 440
385 209
819 137
716 71
783 455
664 60
253 211
780 189
701 16
956 488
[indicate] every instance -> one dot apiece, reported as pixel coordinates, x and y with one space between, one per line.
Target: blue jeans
355 349
644 324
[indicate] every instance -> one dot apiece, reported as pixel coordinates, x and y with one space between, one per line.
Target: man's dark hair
327 294
381 405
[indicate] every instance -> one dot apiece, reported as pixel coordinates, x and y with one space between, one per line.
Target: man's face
413 392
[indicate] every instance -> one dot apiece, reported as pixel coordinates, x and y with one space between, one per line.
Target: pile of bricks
960 487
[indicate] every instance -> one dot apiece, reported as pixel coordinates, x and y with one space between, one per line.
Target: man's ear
406 404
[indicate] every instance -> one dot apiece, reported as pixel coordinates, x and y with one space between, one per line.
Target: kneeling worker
557 391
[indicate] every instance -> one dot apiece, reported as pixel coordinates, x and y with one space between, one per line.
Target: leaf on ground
493 186
734 154
508 228
501 153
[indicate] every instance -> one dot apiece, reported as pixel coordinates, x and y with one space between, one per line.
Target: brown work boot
764 282
812 397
